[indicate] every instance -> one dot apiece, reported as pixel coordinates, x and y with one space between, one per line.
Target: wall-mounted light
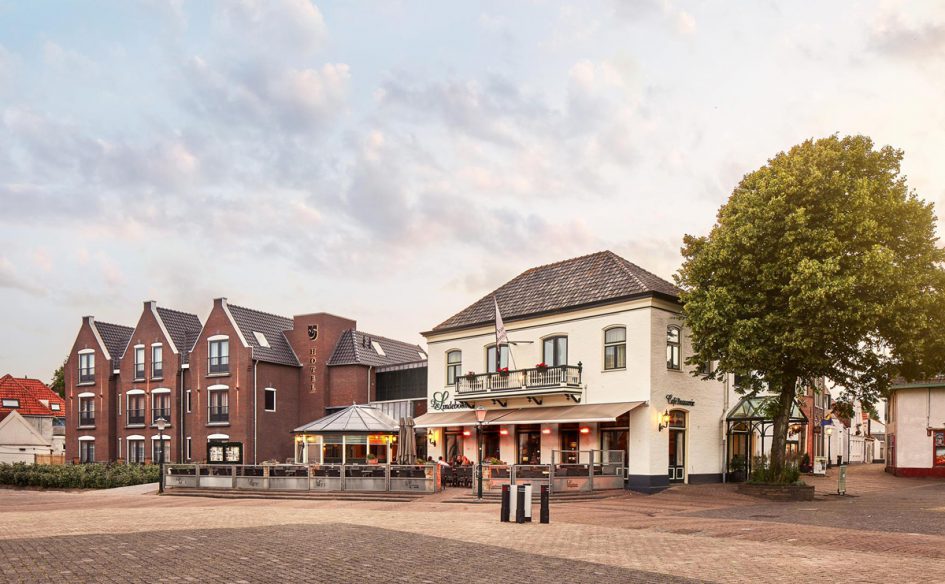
467 433
664 420
432 437
585 430
504 431
546 431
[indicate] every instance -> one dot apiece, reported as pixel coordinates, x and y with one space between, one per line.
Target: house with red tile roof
35 406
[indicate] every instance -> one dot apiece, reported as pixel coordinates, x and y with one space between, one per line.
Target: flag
501 337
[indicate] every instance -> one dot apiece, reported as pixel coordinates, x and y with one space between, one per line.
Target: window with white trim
156 450
139 363
503 361
219 359
136 450
454 366
615 348
86 451
157 362
86 368
672 348
188 403
190 452
269 399
87 411
219 410
555 351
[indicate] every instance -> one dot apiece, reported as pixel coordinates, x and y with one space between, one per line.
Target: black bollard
520 504
504 510
543 514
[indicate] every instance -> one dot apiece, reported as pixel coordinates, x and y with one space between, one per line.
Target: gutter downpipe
181 408
369 384
255 410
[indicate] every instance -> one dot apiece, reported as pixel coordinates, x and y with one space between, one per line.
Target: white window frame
139 351
265 391
210 391
188 401
135 438
615 344
160 359
210 342
189 452
89 356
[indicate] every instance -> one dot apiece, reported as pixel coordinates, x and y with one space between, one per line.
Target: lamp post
829 432
480 418
161 423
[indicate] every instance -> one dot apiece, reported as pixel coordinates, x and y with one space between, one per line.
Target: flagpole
499 336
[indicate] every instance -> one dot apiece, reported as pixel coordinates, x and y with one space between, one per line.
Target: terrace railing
568 376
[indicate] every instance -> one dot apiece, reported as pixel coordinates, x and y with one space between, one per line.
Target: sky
395 161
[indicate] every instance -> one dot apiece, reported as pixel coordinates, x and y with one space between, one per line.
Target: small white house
20 441
915 428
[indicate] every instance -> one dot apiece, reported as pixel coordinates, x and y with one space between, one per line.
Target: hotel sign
441 402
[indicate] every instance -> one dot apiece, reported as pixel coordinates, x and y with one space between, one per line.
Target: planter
776 492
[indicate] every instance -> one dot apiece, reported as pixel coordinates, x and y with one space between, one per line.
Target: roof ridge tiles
259 311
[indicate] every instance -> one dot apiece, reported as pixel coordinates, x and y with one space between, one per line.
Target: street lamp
161 423
480 418
829 432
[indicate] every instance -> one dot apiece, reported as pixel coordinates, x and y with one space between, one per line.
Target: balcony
157 413
136 417
530 383
87 375
86 418
219 414
218 365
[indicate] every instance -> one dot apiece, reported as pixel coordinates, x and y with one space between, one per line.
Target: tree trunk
781 422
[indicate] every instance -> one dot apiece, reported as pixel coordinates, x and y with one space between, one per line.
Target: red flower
503 370
541 365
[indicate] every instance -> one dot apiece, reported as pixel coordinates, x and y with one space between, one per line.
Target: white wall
913 411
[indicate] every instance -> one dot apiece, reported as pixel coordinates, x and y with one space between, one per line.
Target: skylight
261 339
378 349
55 407
10 403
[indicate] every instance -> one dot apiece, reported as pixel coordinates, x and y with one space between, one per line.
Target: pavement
887 529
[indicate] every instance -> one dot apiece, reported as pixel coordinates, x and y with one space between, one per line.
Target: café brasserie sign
441 402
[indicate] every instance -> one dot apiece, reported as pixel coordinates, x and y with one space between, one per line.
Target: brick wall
104 390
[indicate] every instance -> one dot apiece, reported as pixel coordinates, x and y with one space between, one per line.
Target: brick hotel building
241 377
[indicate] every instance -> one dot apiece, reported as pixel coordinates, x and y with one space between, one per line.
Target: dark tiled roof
183 327
592 279
901 382
355 348
272 326
115 337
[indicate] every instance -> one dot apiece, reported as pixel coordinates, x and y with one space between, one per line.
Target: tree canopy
822 263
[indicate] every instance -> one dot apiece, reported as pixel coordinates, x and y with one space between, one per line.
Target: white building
915 428
614 344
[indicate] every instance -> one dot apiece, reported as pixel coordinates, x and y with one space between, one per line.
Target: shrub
762 473
77 476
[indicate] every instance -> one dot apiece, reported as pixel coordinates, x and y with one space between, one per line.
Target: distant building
241 380
32 421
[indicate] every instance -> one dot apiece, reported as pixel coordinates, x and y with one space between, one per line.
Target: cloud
637 11
275 26
892 36
11 278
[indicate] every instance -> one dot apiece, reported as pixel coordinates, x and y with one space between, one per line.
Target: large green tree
59 380
822 263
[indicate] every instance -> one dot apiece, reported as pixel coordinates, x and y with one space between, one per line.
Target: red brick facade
305 385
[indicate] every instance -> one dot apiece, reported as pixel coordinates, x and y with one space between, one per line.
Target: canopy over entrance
753 409
748 424
536 415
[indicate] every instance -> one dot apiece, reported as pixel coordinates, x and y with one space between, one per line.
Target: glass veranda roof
756 409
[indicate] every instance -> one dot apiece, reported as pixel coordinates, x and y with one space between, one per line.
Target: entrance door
677 446
569 446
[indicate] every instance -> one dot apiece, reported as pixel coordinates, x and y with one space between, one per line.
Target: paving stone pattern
292 553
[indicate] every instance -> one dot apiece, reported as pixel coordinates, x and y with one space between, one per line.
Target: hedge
78 476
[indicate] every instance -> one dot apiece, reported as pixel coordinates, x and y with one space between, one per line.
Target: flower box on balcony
503 371
471 376
541 366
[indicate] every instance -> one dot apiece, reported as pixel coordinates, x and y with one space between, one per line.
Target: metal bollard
528 502
504 510
842 480
520 504
543 514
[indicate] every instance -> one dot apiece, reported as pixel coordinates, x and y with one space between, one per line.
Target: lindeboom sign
441 402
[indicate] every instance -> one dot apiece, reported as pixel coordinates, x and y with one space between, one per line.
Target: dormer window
139 362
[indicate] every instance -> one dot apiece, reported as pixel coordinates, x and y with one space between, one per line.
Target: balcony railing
86 418
520 380
136 416
218 364
219 414
87 375
157 370
157 413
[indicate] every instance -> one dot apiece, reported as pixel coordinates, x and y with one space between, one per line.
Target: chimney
219 302
150 304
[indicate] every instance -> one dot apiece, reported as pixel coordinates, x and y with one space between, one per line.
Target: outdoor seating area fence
587 470
392 478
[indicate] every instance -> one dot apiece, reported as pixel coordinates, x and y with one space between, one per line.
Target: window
454 365
190 452
139 363
86 411
261 339
270 399
86 451
503 358
707 367
378 349
156 450
188 404
87 368
136 450
556 351
939 446
219 406
135 409
160 407
219 356
54 407
672 348
157 363
615 348
10 403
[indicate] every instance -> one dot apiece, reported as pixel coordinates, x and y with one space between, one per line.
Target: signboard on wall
225 452
441 402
